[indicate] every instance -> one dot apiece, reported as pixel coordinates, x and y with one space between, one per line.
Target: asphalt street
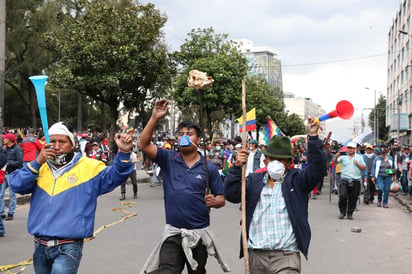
384 244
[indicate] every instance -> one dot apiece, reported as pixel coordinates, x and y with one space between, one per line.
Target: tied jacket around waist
296 186
64 207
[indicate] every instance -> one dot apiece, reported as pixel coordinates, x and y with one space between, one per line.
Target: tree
26 20
259 95
290 124
209 52
380 109
112 53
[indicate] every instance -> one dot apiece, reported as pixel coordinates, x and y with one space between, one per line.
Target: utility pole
2 59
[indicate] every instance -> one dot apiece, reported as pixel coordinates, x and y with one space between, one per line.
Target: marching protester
71 183
31 146
383 175
14 161
351 176
186 238
370 188
255 158
403 166
278 199
3 163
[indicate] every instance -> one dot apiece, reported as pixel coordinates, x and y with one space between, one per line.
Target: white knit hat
60 129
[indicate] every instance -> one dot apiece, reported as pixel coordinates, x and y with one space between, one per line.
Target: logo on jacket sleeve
72 179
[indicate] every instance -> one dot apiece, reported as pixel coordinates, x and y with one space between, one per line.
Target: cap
351 144
255 142
9 136
368 146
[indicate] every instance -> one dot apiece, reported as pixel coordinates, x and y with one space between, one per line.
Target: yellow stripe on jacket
83 171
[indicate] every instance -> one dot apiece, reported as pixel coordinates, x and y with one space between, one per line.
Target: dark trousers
370 189
348 196
173 259
134 183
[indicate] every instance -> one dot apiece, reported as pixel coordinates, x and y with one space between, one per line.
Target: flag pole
243 198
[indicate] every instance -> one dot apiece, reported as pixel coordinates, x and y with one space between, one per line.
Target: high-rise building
398 93
262 61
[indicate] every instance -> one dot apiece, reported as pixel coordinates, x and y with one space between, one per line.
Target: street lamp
58 99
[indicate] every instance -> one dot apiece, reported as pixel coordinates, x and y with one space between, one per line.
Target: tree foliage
209 52
111 52
380 110
26 21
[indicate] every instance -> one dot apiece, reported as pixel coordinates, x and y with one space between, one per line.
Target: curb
405 201
20 200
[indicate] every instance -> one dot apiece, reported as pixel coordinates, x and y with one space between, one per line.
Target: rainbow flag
270 130
250 120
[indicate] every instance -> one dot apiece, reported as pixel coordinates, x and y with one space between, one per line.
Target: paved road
383 246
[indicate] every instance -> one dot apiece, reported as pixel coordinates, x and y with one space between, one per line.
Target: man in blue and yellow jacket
65 186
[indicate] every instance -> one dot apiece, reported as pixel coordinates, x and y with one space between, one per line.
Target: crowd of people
196 175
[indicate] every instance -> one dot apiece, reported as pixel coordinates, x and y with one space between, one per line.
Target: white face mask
276 169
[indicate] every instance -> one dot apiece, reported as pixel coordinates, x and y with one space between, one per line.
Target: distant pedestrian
403 166
14 161
370 188
3 163
383 172
351 176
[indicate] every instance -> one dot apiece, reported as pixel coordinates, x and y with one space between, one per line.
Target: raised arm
159 111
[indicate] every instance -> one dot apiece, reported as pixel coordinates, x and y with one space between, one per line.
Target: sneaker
384 205
379 204
9 217
341 216
350 217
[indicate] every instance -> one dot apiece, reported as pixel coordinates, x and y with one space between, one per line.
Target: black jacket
14 157
295 189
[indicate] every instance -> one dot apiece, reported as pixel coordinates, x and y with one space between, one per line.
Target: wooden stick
243 201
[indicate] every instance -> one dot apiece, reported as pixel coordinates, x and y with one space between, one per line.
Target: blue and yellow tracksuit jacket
65 207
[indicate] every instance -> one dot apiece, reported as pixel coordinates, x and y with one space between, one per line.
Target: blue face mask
185 141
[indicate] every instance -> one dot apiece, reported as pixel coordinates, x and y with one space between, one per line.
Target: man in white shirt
255 159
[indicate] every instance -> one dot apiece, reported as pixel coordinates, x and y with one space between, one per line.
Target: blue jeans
383 183
404 181
64 258
2 231
154 177
12 196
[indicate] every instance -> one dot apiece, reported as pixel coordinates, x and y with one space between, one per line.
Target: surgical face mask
185 141
276 169
218 147
62 159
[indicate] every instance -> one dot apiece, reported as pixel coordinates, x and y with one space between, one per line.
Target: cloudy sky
330 50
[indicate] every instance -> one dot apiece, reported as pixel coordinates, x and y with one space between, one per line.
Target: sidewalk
141 176
405 201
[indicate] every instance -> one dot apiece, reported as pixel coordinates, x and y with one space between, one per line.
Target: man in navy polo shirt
187 200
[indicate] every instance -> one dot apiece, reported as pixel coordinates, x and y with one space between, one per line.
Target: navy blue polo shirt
185 189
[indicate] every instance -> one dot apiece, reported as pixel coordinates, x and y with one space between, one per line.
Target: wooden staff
243 199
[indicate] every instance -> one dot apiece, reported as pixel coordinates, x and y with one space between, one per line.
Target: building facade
303 107
399 72
262 61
